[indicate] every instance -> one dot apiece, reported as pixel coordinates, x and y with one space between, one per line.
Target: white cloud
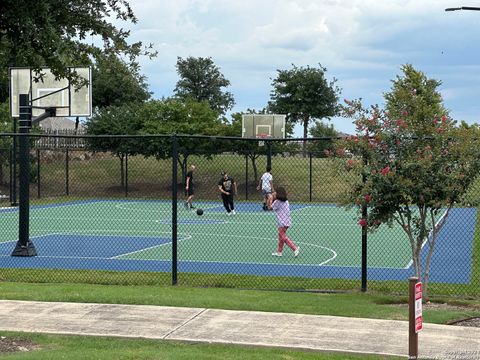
363 43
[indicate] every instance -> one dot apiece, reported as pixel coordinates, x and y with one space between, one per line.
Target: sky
361 43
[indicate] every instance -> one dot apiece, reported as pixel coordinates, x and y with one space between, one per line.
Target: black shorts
189 192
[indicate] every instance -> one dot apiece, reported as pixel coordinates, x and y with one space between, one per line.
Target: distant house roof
59 123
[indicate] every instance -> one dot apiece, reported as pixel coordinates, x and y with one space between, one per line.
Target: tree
201 80
115 120
171 116
322 130
304 94
415 162
54 33
116 82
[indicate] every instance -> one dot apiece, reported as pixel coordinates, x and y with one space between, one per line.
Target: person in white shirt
266 185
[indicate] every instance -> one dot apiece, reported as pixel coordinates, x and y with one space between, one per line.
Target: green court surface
141 230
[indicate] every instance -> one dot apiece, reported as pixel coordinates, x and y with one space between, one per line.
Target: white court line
151 247
410 263
322 247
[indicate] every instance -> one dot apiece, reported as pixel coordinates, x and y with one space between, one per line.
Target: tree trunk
122 170
432 243
255 170
305 135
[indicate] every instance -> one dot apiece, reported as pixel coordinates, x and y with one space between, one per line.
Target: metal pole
126 175
412 334
364 243
14 164
246 177
11 177
67 173
24 246
310 173
269 154
38 173
174 208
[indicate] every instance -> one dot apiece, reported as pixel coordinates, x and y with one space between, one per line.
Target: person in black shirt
189 188
227 187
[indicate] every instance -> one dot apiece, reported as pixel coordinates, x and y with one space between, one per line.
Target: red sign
418 307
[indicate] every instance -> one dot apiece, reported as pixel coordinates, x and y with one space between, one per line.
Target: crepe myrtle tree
408 180
415 165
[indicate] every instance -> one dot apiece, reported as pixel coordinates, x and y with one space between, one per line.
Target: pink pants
283 239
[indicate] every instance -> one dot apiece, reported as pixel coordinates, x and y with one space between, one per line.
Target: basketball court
135 235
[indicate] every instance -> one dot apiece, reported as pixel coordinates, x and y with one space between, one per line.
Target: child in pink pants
282 210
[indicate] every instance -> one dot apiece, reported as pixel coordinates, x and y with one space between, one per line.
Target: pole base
24 250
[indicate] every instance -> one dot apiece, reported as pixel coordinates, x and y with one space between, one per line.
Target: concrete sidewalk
239 327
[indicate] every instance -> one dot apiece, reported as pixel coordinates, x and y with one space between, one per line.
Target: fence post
246 177
174 208
364 240
67 174
310 173
269 154
126 175
38 174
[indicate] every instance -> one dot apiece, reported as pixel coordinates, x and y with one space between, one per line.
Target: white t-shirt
266 179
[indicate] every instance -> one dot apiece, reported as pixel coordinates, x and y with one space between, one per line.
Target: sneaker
264 207
296 252
192 207
229 213
277 254
233 212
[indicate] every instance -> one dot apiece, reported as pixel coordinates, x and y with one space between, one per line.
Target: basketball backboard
66 98
263 126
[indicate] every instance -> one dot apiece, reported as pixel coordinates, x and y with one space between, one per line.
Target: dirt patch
471 322
12 344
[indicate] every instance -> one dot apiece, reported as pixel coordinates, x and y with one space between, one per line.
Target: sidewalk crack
184 323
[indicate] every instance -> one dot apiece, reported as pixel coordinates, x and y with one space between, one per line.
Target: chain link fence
111 210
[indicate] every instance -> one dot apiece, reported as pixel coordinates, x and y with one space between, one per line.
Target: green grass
350 304
83 347
151 178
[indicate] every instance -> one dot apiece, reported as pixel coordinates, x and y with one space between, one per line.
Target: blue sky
362 43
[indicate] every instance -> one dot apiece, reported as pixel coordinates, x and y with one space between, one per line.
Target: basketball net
260 137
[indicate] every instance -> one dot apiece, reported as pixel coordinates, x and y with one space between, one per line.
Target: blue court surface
135 235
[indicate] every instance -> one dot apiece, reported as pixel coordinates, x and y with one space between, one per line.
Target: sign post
415 320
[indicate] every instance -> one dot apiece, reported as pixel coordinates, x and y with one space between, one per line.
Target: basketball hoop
262 137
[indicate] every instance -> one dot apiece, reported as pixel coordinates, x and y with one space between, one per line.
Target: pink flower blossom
367 198
362 222
385 170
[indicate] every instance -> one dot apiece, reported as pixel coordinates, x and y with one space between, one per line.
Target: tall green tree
172 116
417 164
58 34
115 120
201 80
304 94
116 82
322 148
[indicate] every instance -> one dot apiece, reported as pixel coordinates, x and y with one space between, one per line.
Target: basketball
199 212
